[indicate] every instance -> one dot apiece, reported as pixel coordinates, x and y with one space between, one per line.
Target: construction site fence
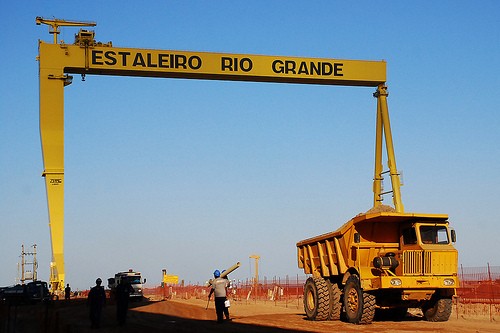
287 291
478 293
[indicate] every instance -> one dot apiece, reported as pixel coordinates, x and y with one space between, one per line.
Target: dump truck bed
378 233
386 217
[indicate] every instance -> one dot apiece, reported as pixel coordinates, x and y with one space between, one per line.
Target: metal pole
22 264
381 95
492 298
461 279
287 292
377 177
297 294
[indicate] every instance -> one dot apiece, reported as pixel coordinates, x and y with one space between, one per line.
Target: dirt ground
193 316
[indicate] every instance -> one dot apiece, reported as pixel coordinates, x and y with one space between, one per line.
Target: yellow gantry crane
58 60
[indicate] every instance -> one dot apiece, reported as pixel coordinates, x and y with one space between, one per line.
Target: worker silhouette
122 293
67 292
219 286
96 301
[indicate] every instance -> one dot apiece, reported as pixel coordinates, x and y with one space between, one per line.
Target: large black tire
316 299
437 309
335 308
359 306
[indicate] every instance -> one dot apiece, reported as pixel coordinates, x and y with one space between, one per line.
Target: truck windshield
132 279
434 234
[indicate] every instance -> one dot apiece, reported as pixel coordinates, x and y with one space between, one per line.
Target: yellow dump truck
384 261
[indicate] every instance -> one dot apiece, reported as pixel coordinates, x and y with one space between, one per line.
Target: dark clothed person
96 301
122 293
67 292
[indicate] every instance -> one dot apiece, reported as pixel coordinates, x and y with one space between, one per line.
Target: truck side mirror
357 238
453 236
144 280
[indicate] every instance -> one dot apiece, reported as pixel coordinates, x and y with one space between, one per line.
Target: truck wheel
359 306
335 302
437 310
316 299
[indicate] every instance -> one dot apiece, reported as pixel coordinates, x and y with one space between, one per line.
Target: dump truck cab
412 253
381 260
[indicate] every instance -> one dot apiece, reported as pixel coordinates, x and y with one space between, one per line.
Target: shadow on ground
72 316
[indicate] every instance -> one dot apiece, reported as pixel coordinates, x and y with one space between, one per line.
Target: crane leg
52 139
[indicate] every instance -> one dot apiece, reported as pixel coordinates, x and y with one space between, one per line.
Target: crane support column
377 179
52 77
52 82
384 125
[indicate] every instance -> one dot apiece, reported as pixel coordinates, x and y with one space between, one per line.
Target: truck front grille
421 262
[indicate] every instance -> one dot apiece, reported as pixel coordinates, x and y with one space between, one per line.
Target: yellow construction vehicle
383 260
386 261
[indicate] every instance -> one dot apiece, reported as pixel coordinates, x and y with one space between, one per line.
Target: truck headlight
395 282
448 282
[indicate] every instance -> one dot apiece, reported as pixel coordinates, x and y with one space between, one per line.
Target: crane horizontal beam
64 23
107 60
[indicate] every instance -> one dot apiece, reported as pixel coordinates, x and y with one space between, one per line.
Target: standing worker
219 286
123 291
96 300
67 292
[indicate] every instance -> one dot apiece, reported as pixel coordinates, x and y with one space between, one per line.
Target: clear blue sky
194 175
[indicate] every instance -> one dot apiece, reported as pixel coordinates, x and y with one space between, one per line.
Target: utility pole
256 278
34 263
